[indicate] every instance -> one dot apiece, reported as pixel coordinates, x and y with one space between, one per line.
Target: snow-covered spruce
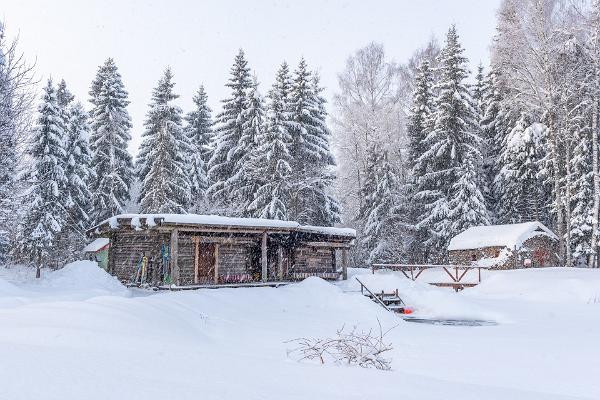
312 177
198 130
452 142
48 214
110 125
229 129
271 165
164 154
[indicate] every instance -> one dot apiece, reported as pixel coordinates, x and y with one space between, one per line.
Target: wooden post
174 250
263 257
196 258
279 263
345 264
217 263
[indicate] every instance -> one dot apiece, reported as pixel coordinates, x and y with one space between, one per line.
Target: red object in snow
408 311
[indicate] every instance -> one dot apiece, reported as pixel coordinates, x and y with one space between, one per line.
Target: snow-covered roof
151 220
510 235
96 245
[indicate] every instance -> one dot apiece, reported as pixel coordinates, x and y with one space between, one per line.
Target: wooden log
344 264
263 257
327 244
174 250
217 245
196 260
279 262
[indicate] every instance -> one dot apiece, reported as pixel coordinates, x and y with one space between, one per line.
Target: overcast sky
198 39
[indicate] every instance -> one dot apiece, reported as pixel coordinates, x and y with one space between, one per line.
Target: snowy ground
78 334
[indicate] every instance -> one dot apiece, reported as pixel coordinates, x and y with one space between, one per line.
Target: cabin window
473 257
497 253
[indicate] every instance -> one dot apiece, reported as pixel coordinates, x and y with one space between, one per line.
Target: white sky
198 39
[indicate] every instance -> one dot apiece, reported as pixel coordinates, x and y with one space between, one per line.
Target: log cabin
528 244
197 250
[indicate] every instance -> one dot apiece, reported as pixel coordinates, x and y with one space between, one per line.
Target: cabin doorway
205 263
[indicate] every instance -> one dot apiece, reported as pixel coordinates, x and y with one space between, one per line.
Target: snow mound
427 301
83 276
8 289
554 285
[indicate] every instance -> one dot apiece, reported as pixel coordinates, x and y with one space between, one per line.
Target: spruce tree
582 200
8 159
199 133
78 171
229 130
419 125
47 215
312 202
521 196
111 161
382 223
271 166
163 156
467 207
493 132
479 90
419 120
453 141
244 183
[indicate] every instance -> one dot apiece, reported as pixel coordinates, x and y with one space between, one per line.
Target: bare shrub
353 347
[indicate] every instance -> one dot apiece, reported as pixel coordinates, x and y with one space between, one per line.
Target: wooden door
206 263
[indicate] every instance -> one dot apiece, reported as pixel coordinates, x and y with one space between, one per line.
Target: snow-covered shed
528 244
191 249
97 250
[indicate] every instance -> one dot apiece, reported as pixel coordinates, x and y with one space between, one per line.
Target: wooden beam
326 244
174 251
217 263
344 264
279 262
196 258
225 240
230 230
263 257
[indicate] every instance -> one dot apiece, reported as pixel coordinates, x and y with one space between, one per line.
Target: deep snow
78 334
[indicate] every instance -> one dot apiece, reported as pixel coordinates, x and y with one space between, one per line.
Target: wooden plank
263 257
217 245
226 240
326 244
344 264
196 258
225 229
407 267
279 262
174 251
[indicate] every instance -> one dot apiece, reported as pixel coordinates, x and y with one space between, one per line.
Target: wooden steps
391 301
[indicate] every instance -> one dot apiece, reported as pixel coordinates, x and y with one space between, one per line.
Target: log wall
126 249
314 259
237 262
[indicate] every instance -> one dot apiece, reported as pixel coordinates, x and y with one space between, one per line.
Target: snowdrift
79 280
554 285
83 276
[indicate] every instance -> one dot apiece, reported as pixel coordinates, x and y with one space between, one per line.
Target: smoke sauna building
189 249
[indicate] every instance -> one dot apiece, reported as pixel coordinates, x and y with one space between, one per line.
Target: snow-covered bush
353 347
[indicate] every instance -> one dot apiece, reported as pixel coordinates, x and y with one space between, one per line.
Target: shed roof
96 245
139 221
510 235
